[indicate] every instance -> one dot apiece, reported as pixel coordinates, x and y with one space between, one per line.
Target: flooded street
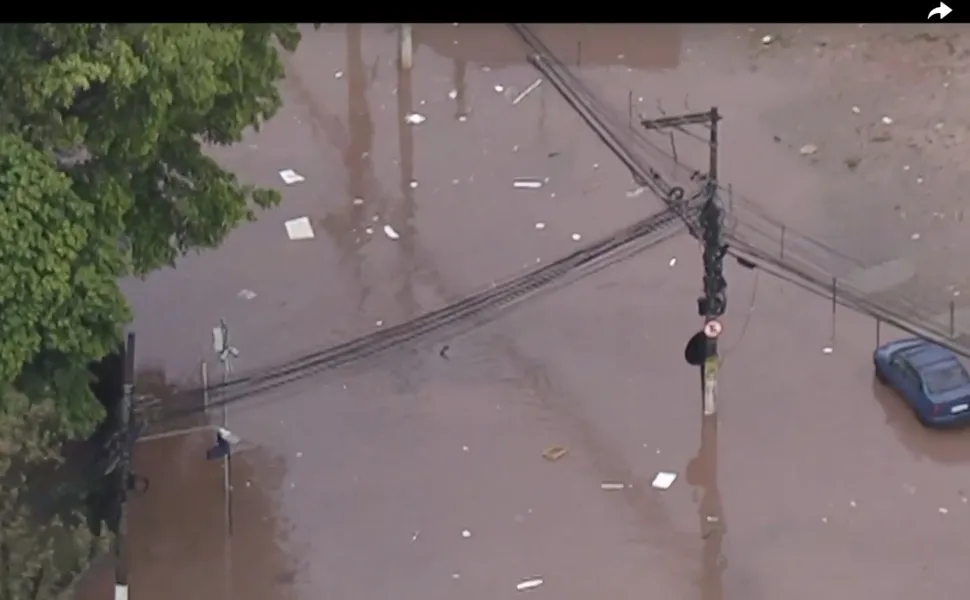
420 473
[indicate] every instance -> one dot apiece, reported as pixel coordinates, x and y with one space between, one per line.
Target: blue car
931 379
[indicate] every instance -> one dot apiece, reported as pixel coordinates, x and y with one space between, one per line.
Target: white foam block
299 229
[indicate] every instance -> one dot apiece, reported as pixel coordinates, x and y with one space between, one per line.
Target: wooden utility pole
124 419
407 47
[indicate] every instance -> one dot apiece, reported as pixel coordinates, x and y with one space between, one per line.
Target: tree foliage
44 540
103 174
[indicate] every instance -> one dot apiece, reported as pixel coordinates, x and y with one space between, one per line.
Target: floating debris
246 294
529 584
532 87
808 149
338 74
289 177
413 184
576 237
914 237
415 118
462 118
369 230
887 121
554 453
943 510
827 350
499 89
358 201
391 233
609 486
299 454
414 537
453 94
673 261
466 534
379 323
635 192
527 184
767 39
540 225
299 229
856 110
664 480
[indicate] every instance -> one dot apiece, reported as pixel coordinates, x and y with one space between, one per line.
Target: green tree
103 174
44 540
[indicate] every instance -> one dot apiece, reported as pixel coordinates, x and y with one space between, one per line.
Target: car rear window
946 378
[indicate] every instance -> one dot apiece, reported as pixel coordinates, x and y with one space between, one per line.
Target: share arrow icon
943 10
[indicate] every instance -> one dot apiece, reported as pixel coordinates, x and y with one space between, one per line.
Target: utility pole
702 349
407 47
226 352
124 476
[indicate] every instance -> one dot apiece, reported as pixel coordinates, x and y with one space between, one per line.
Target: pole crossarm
702 118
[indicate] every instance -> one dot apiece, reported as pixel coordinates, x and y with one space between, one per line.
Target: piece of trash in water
299 454
453 94
462 118
499 88
289 177
413 184
532 87
856 109
455 576
576 237
391 233
540 225
712 519
414 537
358 201
338 74
887 121
368 230
379 323
612 486
464 448
827 350
554 452
466 534
415 118
299 229
528 584
664 480
808 149
246 294
943 510
527 184
636 192
852 503
673 261
767 39
914 237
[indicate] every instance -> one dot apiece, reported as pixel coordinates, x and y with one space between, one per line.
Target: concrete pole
407 47
124 468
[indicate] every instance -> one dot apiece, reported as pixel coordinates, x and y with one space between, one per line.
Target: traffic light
714 301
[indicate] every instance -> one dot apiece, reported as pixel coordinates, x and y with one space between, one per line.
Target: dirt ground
361 482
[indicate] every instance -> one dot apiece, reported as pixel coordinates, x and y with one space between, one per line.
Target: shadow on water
180 547
157 400
638 46
943 446
702 473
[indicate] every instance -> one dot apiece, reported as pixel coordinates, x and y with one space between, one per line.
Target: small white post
407 48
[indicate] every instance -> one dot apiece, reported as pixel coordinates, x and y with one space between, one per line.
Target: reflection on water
702 473
179 544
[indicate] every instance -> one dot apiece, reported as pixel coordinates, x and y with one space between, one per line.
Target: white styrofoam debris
827 350
299 454
635 192
369 230
289 177
767 39
413 184
664 480
338 74
453 94
299 229
414 536
246 294
919 180
914 237
887 121
852 503
576 237
391 233
379 323
856 109
529 584
532 87
673 261
808 149
612 486
499 88
462 118
527 184
415 118
464 448
540 225
466 534
943 510
358 201
906 167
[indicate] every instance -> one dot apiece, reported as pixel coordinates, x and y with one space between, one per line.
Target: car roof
929 356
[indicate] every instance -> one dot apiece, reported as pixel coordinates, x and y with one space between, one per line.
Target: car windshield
946 378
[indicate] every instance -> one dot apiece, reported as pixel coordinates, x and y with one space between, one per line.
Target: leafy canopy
103 172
